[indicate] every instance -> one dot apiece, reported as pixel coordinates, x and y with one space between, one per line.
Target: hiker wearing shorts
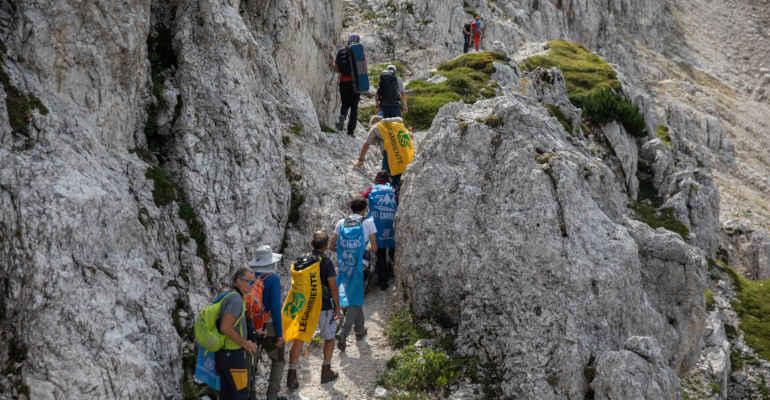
327 322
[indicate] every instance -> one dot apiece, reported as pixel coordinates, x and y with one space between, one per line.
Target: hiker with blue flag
351 237
382 209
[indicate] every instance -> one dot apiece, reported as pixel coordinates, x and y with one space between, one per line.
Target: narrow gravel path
359 367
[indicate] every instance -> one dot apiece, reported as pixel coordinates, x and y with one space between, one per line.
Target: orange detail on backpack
255 309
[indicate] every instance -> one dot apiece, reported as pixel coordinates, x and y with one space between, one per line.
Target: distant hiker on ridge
477 28
351 82
466 37
330 311
391 97
350 239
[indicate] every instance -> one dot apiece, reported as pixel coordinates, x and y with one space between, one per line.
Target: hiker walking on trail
230 361
330 313
267 322
350 239
477 29
466 37
391 97
396 145
349 95
382 209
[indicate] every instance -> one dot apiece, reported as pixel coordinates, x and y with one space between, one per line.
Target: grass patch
592 85
563 120
752 304
295 128
421 370
661 131
197 231
401 329
708 296
663 218
468 79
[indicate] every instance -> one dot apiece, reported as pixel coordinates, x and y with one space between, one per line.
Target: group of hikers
251 317
322 300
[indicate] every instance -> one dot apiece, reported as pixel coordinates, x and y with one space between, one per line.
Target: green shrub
401 329
752 304
708 296
603 106
663 218
420 370
423 108
662 132
164 190
592 85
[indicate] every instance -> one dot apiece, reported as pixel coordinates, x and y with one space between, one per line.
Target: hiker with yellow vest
231 359
395 140
330 310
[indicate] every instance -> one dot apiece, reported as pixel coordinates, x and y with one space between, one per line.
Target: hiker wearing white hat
264 266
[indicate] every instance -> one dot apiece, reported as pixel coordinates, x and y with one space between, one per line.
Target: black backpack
388 91
344 61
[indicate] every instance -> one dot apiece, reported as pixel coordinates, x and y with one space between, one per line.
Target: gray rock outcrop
536 226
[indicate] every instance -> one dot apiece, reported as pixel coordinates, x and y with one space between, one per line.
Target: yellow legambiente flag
302 306
397 143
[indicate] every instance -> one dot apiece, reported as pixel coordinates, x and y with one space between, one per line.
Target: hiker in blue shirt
264 266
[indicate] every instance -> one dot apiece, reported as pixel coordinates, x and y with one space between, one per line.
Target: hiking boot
291 380
341 343
340 123
361 336
327 375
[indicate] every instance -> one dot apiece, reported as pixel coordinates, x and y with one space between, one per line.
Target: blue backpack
382 208
351 245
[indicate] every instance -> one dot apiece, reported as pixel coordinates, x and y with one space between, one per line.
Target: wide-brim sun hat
264 259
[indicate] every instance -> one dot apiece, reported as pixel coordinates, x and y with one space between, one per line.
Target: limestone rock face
529 232
151 163
636 372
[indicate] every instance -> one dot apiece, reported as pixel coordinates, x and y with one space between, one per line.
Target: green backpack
206 330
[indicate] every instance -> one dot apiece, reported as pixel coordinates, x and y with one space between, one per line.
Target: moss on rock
592 85
468 79
752 304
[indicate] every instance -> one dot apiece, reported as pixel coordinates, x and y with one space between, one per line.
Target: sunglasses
249 281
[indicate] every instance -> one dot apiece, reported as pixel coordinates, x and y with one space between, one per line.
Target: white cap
264 258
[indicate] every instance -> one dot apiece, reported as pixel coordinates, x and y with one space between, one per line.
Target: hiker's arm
373 241
403 102
332 281
227 327
274 300
362 154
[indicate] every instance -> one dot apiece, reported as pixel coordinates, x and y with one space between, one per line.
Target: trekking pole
253 365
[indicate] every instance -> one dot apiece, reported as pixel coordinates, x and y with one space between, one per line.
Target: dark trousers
466 43
395 180
384 266
390 111
350 100
233 374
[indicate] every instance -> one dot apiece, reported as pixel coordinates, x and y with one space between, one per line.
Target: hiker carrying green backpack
221 328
